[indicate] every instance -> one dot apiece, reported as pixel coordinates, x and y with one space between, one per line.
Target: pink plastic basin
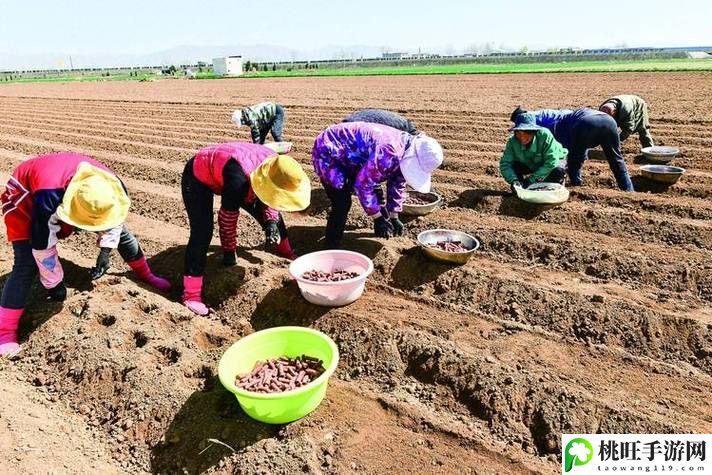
332 294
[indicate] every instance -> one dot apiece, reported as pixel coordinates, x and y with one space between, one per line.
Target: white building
228 66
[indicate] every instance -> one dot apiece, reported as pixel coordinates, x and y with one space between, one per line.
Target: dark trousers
198 201
24 269
277 127
18 284
589 132
129 248
336 222
557 175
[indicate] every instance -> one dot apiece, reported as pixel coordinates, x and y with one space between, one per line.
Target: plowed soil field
594 316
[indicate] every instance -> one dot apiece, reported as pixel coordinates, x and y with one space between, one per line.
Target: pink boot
192 288
140 267
284 249
9 321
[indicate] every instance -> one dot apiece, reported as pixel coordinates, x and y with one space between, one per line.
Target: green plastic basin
288 406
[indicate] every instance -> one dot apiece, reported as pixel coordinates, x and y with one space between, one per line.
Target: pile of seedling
415 198
281 374
336 275
449 246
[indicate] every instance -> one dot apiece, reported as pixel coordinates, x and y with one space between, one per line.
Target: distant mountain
186 54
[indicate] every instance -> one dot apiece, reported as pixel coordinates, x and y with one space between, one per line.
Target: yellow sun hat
95 200
281 183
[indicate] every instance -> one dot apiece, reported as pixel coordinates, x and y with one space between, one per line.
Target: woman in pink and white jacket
45 200
248 176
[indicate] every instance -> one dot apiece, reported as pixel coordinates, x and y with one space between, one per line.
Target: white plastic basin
332 294
553 197
280 147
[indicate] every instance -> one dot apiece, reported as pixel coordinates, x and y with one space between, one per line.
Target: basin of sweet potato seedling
420 204
274 343
331 278
447 245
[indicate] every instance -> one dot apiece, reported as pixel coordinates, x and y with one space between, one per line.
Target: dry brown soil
593 316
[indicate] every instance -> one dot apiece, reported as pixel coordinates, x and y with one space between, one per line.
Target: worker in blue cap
532 155
580 130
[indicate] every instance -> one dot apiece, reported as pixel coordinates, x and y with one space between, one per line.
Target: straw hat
422 158
95 200
280 183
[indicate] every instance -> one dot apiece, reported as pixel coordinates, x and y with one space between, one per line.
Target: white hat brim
419 180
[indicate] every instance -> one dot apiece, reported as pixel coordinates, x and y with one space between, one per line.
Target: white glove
237 118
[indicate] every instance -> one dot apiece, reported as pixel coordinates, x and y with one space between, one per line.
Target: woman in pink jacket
248 176
45 199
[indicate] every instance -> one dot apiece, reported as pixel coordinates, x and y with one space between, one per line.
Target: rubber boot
9 321
143 272
192 288
284 249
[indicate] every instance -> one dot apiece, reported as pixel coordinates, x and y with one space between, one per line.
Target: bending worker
631 114
532 155
356 157
248 176
383 117
580 130
45 199
261 119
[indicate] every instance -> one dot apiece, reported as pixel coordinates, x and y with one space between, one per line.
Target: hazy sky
136 27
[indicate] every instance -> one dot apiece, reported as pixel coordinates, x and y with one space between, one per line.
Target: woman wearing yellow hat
44 200
248 176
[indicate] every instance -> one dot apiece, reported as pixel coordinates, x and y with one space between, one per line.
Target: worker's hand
272 233
398 226
103 262
382 227
58 293
514 184
229 258
65 230
526 183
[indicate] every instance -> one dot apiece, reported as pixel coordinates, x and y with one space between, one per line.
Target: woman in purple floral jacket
354 157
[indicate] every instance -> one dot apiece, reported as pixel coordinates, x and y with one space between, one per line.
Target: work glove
103 262
398 226
272 233
58 293
515 184
382 227
526 183
229 258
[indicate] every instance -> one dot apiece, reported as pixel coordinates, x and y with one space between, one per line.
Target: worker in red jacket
248 176
45 199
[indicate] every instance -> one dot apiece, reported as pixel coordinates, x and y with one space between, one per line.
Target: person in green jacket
261 118
631 115
532 155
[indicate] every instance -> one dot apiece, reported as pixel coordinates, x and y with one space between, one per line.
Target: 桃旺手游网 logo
585 454
577 452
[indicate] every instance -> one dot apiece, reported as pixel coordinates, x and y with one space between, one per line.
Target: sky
139 27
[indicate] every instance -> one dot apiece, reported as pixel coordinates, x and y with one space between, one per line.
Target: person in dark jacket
580 130
262 119
631 115
383 117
